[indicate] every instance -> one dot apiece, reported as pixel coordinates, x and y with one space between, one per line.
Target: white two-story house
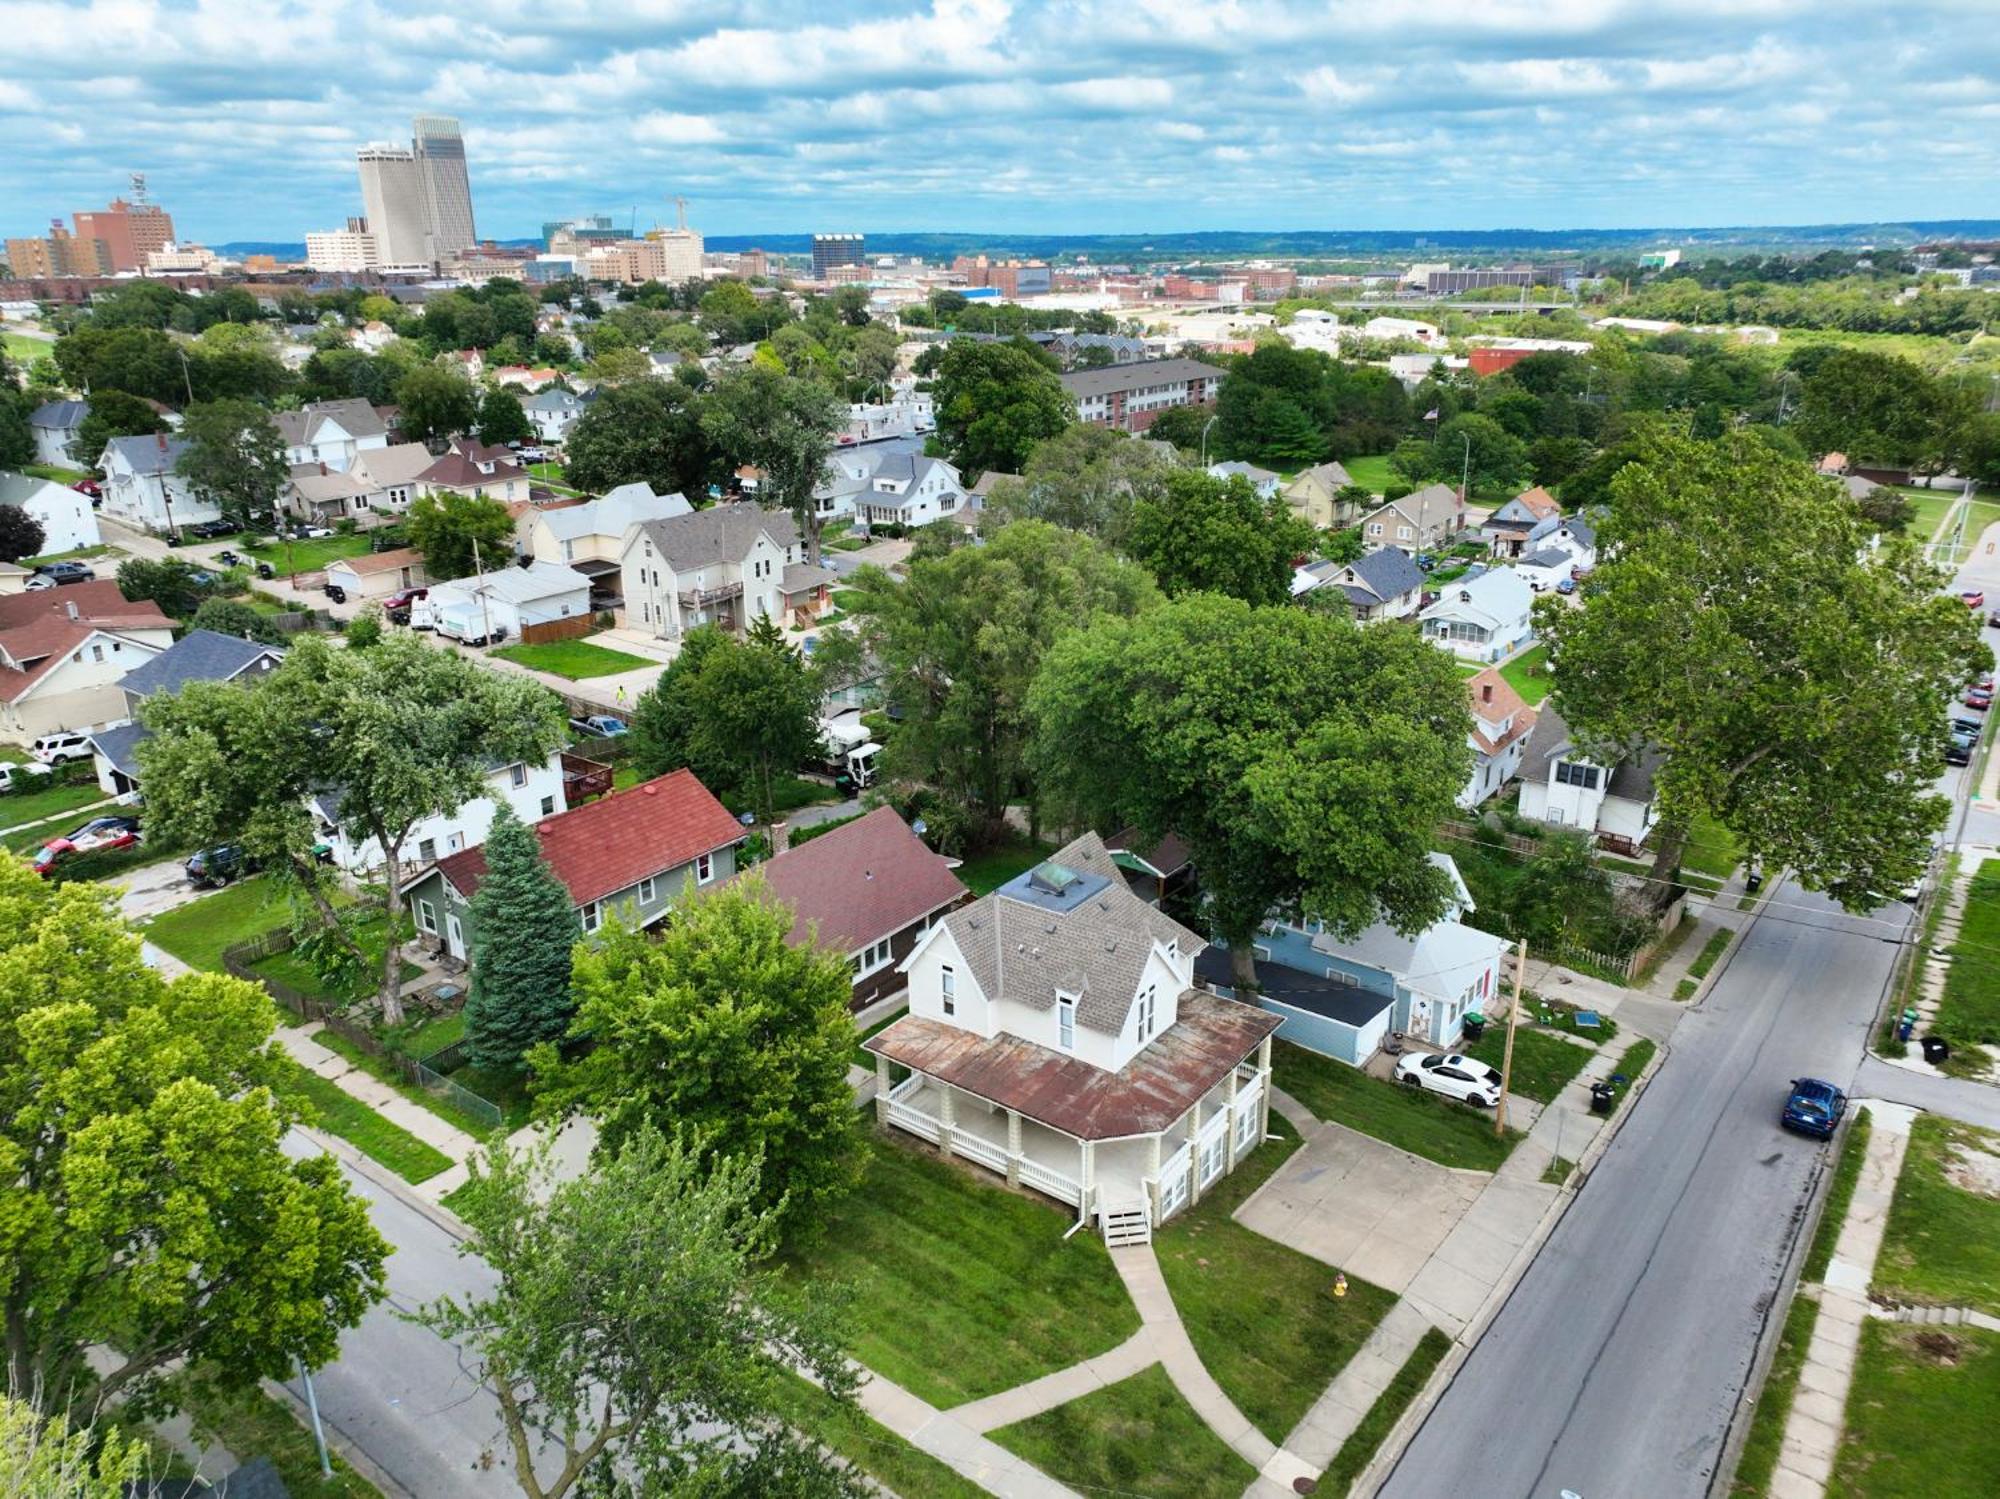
142 489
1055 1035
333 433
533 791
1562 784
726 565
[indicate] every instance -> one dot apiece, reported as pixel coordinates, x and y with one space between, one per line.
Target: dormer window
1148 1013
1066 1021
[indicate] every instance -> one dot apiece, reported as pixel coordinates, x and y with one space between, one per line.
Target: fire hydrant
1340 1285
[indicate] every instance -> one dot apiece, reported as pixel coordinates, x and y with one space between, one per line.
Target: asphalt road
1615 1366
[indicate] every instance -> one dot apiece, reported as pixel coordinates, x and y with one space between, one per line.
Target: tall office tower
392 200
131 231
440 153
830 250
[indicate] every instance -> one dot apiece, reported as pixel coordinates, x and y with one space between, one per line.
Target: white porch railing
1247 1113
973 1148
1054 1183
1212 1146
916 1121
1174 1181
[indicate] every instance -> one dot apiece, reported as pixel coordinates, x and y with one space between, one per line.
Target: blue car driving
1813 1108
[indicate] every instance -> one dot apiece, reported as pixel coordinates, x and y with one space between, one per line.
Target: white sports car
1465 1078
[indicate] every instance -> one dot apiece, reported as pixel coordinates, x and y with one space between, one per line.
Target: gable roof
461 470
1165 856
38 630
1236 466
615 512
721 533
1494 700
1423 508
1631 778
517 585
1332 475
60 416
1497 597
553 398
317 482
616 841
399 463
198 656
353 416
860 883
147 456
19 489
1144 373
1386 574
378 562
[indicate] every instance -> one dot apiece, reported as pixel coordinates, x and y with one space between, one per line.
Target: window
649 890
593 916
548 806
518 774
1147 1012
704 869
948 990
1402 533
427 917
874 956
97 653
1065 1022
427 851
1568 773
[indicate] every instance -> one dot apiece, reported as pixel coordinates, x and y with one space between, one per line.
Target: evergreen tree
526 926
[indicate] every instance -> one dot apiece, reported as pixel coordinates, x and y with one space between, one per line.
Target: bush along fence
1618 966
427 1072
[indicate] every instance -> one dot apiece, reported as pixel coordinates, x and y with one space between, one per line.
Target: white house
55 427
533 791
389 475
63 652
198 656
1262 480
511 599
1562 784
67 521
332 432
478 469
1388 329
1055 1035
1558 554
1501 724
1523 521
881 486
725 565
553 412
596 530
1487 618
142 489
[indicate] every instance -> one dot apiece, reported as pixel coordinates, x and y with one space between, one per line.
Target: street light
1204 437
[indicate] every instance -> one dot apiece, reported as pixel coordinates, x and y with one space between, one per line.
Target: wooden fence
558 629
1474 833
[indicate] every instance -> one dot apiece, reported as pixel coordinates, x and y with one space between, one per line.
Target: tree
366 628
715 1024
1885 510
21 535
1205 534
620 366
1180 425
235 458
1085 478
648 432
169 582
960 641
392 735
459 532
233 617
1475 445
631 1322
17 437
1877 409
436 403
527 926
1726 563
995 402
1979 449
1306 761
151 1212
785 426
501 419
113 413
50 1459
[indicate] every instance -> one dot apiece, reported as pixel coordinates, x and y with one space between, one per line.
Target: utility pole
1507 1056
1465 474
312 1406
485 614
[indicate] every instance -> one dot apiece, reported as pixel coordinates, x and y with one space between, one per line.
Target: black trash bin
1936 1049
1602 1097
1474 1025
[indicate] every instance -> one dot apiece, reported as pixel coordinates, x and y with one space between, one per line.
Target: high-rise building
592 229
830 250
680 254
418 202
131 231
349 250
440 152
59 253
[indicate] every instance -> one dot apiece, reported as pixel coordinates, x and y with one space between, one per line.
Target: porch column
1194 1157
1013 1148
1264 1103
881 1089
1088 1171
947 1117
1229 1148
1153 1180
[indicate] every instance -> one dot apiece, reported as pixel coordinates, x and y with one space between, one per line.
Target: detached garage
1320 1013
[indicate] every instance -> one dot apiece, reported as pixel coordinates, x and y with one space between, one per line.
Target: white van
15 778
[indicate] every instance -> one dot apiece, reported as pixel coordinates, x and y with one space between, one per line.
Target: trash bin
1602 1097
1475 1025
1906 1025
1936 1049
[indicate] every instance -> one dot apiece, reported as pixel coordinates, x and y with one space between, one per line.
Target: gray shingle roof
120 745
60 416
1632 777
199 656
721 533
148 455
355 417
1139 376
1388 573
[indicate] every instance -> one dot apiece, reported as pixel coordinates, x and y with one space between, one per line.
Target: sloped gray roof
18 489
1632 777
1137 376
1546 557
355 416
721 533
120 745
198 656
148 455
1389 573
60 416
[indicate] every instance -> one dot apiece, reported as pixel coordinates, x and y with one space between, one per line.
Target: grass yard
1969 1016
46 802
1923 1417
307 556
444 1108
74 554
868 1445
552 475
964 1289
574 659
1543 1064
1528 674
1711 849
1942 1243
1452 1134
845 544
198 932
250 1424
1372 472
1634 1060
1262 1316
1761 1446
24 350
1710 954
1359 1448
1134 1437
339 1113
56 472
989 871
1554 1015
788 794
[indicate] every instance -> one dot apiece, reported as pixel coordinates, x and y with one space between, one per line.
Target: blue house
1343 999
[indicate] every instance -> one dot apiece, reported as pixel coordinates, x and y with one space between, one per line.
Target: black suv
218 865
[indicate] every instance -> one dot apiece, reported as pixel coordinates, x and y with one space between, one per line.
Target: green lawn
575 659
1135 1437
846 544
443 1107
339 1113
1528 674
1633 1061
1359 1448
1262 1316
1711 849
1774 1402
552 475
197 932
1543 1064
788 793
307 556
74 554
964 1289
1372 472
47 801
1942 1243
1923 1416
1969 1016
1555 1015
24 350
1452 1134
988 871
867 1444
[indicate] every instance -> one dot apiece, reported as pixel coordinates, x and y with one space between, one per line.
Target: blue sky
1068 115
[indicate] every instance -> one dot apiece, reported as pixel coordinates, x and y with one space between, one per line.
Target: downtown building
831 251
418 202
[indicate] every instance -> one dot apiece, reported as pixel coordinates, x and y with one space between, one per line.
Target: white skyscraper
419 201
440 153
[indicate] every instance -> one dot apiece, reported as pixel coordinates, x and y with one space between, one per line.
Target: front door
454 935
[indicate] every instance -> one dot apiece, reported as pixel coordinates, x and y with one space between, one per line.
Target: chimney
781 838
322 468
69 608
1486 692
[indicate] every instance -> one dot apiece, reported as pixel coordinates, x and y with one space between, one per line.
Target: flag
1431 415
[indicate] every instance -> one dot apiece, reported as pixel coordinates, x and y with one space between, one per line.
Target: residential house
1385 584
1055 1035
63 652
1155 869
554 411
521 377
1517 525
142 489
324 495
1132 396
1570 548
591 536
515 600
1425 520
56 426
482 470
1261 479
64 514
867 891
1565 784
892 488
1343 998
372 337
198 656
534 791
332 433
1314 497
725 565
631 854
376 575
13 578
390 477
1487 618
1501 724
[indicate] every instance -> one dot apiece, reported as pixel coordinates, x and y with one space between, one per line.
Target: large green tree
527 925
960 641
459 534
501 418
1305 760
647 432
1878 409
48 1458
995 401
235 457
1205 534
633 1326
113 413
784 424
717 1025
391 736
436 403
149 1210
21 535
1795 684
1085 478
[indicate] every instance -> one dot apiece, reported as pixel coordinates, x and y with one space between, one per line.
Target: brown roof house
376 575
867 890
1056 1036
63 652
1501 724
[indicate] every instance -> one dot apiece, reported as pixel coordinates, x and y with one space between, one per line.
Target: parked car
305 532
1980 698
1994 619
90 487
1974 598
598 726
396 607
1959 750
1813 1107
54 749
335 592
210 529
19 777
1566 586
533 454
385 540
58 574
56 850
218 866
100 832
1461 1077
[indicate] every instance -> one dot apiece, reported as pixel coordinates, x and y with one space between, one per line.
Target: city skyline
990 116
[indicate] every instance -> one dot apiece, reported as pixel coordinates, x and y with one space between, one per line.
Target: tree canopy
646 432
1200 533
1877 409
526 924
459 533
784 425
1085 478
436 403
994 402
21 535
235 457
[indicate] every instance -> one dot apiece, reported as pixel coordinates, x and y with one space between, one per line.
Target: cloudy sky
1064 115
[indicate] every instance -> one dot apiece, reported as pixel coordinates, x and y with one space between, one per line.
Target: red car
56 850
1979 697
90 487
1974 599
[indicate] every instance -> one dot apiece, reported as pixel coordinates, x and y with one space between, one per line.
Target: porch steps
1126 1223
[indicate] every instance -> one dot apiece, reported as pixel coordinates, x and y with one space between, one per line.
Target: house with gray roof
1263 480
1056 1035
1488 618
65 515
726 565
554 411
55 426
889 486
198 656
1607 797
1425 520
143 489
331 432
1377 585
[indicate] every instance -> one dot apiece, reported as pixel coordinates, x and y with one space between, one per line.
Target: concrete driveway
147 891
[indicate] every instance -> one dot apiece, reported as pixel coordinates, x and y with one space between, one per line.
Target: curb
338 1442
440 1216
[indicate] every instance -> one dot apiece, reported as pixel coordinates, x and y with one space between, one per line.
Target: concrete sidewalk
943 1436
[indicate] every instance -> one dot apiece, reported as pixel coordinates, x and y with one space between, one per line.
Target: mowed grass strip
574 659
964 1289
1262 1315
1969 1015
867 1444
338 1113
1439 1129
1923 1415
1359 1449
1774 1403
1942 1243
1543 1063
1136 1437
